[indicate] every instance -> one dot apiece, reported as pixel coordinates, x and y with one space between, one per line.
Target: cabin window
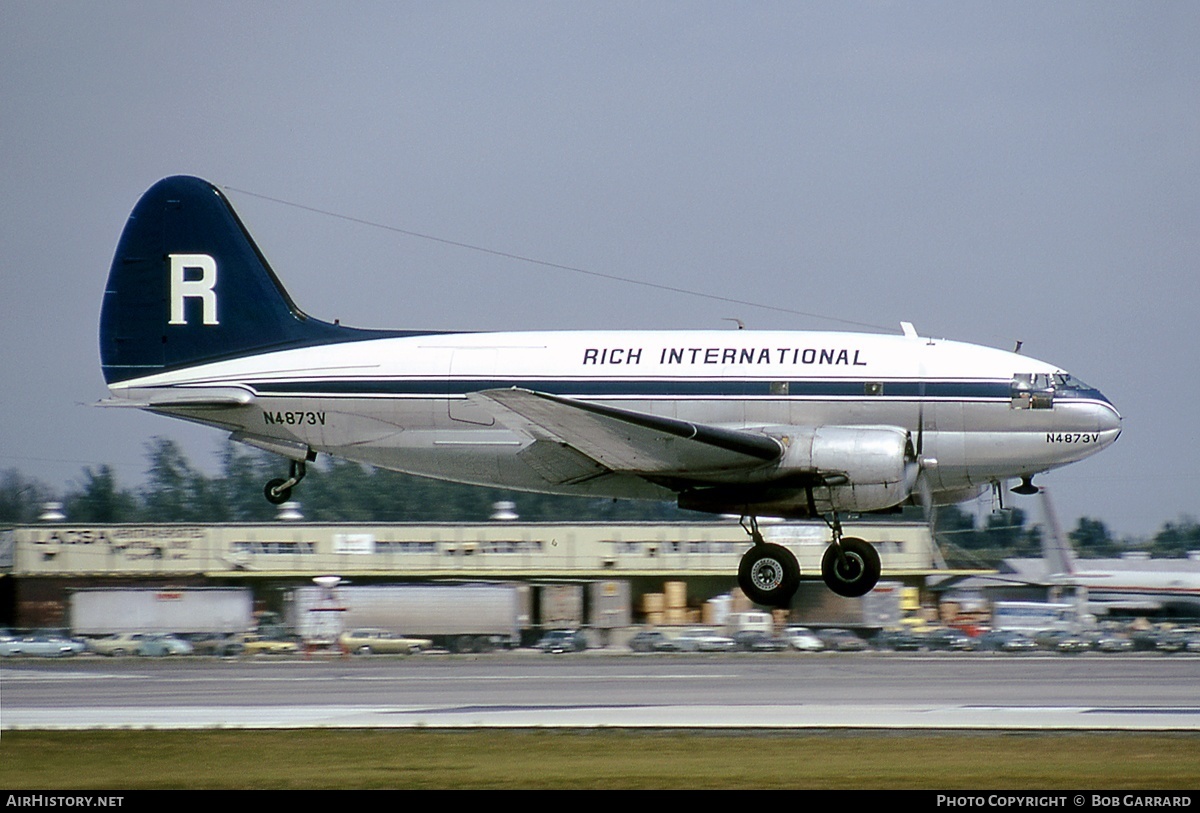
1031 391
873 388
779 388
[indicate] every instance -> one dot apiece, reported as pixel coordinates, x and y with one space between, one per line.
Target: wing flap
558 463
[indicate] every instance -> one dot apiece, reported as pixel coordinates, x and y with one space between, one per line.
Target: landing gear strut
768 574
279 490
850 566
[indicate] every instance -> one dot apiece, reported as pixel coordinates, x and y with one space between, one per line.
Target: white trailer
1036 616
191 610
457 617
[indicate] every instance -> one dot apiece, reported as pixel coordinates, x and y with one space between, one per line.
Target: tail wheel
855 572
769 575
276 495
279 491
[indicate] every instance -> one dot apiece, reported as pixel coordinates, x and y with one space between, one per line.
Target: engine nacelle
856 468
865 454
822 470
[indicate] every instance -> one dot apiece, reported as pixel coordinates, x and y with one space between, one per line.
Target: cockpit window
1066 381
1034 391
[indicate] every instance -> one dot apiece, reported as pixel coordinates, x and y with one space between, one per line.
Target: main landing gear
769 574
279 490
850 565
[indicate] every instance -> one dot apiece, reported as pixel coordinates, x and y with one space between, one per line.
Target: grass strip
609 759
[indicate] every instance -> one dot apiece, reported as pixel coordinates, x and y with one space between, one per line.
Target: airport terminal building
41 564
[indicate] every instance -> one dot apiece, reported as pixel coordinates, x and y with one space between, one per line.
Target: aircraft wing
575 439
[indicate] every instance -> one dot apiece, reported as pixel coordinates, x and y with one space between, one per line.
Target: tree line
174 490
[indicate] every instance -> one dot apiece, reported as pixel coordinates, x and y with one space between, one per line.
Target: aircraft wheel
274 494
769 575
857 575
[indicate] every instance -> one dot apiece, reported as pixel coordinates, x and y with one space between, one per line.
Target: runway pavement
870 690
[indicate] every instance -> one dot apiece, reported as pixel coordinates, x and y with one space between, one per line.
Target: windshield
1066 381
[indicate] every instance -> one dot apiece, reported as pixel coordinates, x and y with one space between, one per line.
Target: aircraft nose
1108 421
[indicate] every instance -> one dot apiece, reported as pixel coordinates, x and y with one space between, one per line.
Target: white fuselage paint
405 403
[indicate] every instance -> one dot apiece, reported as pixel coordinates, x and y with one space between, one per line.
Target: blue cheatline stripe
641 387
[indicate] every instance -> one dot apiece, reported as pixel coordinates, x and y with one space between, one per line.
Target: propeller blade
925 494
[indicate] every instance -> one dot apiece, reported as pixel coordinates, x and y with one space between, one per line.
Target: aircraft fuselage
407 403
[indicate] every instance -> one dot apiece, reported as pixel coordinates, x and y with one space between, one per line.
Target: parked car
1171 641
759 641
370 641
254 644
702 639
1006 641
118 645
1068 643
40 646
559 641
148 644
1159 639
158 644
948 639
217 644
841 640
652 641
803 639
1104 641
899 640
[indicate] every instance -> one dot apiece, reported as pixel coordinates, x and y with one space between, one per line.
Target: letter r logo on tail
202 288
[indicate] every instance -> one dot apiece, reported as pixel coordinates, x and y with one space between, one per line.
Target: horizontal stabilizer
183 397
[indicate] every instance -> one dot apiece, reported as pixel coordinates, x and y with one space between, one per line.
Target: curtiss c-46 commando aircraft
196 325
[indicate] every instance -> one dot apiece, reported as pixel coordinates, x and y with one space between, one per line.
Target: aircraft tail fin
188 285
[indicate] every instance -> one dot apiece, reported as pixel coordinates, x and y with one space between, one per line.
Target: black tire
274 495
769 575
857 575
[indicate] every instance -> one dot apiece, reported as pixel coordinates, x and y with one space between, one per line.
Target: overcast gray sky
988 171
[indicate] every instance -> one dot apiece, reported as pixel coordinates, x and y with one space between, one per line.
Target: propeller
920 484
